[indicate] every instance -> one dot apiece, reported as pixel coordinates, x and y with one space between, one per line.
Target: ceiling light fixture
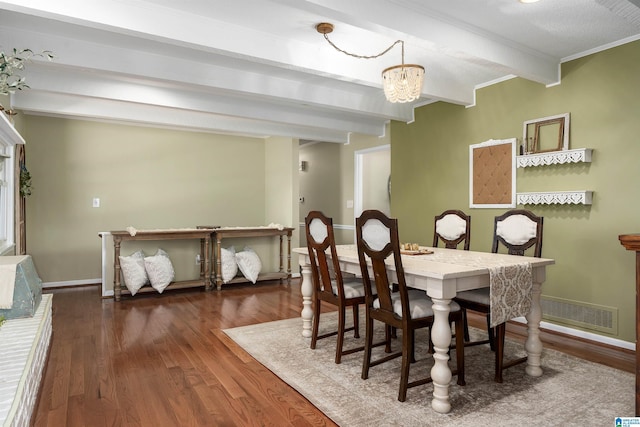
401 83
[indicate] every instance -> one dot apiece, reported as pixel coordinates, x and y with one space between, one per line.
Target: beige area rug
571 392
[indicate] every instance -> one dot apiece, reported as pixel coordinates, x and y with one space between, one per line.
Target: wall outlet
96 202
349 204
301 199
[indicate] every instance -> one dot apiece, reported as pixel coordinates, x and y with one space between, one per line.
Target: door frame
357 175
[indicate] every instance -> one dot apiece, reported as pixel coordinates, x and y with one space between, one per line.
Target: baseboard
612 352
70 283
582 334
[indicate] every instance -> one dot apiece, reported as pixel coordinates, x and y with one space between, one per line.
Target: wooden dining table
441 274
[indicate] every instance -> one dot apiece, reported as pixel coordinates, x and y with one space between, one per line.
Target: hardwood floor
163 360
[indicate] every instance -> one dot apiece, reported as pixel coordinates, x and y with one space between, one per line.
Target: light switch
96 202
349 204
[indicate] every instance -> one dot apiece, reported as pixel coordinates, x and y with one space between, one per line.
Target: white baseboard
583 334
70 283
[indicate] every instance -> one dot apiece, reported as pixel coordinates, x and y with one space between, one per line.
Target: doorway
372 176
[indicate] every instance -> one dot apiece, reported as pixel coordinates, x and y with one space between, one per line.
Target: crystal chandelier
401 83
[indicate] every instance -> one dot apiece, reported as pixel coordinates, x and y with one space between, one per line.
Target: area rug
570 392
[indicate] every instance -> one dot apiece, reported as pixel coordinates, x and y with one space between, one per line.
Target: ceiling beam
62 105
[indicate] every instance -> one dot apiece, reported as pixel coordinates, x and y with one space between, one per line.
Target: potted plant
11 64
25 181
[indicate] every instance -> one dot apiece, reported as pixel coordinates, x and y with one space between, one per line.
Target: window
9 137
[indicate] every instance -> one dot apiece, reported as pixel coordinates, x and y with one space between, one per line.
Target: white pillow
132 267
160 270
229 266
249 263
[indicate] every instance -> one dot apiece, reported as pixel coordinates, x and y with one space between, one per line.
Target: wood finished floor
163 360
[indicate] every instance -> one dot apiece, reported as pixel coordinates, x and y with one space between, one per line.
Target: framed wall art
492 174
546 134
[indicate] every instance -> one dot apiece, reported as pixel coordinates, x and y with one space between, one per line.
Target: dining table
442 273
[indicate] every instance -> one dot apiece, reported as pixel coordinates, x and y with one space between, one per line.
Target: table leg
206 254
289 258
218 250
440 372
117 285
533 345
202 266
307 293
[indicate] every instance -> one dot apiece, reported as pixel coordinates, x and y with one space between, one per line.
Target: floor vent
580 314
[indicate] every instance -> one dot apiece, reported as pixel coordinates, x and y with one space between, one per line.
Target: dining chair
518 230
329 284
452 227
406 310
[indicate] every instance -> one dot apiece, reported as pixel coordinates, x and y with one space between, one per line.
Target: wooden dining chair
406 310
452 227
329 285
517 230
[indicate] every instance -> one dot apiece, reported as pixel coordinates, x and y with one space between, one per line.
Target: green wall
430 173
147 178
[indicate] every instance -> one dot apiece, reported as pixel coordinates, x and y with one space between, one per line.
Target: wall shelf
554 157
582 197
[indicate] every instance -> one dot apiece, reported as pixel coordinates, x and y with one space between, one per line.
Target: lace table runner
510 284
510 292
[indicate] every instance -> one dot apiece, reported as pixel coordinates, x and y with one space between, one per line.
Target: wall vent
580 314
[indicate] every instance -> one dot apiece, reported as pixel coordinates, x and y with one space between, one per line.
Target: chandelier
401 83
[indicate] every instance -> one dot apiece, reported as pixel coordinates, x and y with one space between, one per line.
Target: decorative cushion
481 296
420 305
375 234
451 226
249 264
135 276
516 229
229 266
353 288
318 230
160 270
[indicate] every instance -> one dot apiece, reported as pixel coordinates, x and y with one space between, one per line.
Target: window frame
9 138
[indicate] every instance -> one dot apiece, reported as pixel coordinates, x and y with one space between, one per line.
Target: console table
632 243
203 234
236 232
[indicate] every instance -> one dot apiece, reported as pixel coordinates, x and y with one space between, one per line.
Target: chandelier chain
366 56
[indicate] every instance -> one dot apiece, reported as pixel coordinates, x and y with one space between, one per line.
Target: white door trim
357 176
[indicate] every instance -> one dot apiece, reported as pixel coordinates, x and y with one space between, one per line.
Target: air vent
580 314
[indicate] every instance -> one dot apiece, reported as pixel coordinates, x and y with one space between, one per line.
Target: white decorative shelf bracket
554 158
555 198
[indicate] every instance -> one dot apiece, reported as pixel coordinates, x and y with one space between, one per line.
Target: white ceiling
259 68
